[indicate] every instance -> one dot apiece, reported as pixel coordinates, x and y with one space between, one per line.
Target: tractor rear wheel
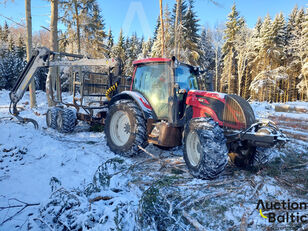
66 120
51 117
205 149
125 128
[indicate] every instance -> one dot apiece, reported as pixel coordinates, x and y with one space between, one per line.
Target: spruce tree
118 51
109 41
207 57
1 31
157 26
229 74
157 46
191 37
11 44
21 47
5 33
294 51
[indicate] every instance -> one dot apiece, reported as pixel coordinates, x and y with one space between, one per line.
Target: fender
139 99
209 104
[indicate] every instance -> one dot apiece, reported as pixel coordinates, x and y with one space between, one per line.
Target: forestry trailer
163 106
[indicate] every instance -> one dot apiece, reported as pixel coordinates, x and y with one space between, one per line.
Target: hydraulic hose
110 90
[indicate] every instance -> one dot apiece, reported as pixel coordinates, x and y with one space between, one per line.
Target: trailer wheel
66 120
51 117
205 149
125 128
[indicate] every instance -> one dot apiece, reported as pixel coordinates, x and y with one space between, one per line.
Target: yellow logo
262 214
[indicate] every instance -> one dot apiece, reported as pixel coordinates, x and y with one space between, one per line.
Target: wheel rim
193 148
120 128
59 121
49 118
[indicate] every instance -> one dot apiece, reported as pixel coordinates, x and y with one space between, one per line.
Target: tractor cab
165 84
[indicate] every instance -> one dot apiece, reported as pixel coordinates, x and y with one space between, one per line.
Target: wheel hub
193 148
120 128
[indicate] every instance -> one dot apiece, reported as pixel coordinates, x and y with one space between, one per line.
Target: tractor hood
230 111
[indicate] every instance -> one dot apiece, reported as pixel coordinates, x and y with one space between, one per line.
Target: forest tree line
268 62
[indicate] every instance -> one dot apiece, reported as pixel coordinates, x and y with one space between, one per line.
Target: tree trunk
29 50
216 69
53 75
162 28
176 28
77 25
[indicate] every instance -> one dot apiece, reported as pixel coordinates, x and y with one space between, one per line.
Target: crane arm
41 58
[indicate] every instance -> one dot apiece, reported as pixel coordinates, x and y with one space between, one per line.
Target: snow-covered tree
229 74
118 50
217 40
146 49
157 46
190 52
109 41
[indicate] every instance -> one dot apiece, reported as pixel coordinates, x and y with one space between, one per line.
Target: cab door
151 80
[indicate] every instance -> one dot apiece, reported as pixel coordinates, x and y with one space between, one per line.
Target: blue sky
140 15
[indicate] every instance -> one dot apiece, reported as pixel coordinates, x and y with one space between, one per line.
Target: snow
63 173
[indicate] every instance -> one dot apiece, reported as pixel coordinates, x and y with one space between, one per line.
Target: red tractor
165 107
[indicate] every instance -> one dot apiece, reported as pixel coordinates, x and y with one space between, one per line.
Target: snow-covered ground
74 182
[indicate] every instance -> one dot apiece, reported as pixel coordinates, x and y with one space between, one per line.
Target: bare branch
24 205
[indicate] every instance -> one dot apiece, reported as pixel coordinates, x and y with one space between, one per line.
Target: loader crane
43 57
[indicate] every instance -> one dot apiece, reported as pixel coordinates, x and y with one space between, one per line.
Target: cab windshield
186 78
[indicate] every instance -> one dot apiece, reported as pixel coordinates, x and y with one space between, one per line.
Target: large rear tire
125 128
66 120
205 149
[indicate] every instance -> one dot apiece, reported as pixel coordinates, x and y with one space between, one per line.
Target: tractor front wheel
125 128
205 149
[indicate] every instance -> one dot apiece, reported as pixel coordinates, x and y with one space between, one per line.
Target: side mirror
175 62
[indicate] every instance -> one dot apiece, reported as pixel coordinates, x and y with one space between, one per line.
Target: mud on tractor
165 106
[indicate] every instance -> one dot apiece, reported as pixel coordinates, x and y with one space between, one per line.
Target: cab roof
151 60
